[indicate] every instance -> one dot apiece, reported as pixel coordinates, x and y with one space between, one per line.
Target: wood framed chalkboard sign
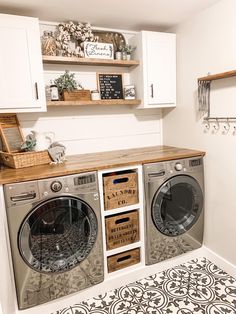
110 85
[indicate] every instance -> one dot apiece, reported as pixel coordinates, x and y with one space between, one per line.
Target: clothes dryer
55 235
174 218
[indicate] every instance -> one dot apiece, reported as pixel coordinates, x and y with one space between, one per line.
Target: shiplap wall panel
89 129
110 143
85 128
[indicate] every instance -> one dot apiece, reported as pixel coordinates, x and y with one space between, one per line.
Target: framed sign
11 134
110 85
129 92
98 50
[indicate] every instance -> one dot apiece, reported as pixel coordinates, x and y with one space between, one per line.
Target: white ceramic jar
95 95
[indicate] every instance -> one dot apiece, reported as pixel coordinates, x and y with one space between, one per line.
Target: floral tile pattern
196 287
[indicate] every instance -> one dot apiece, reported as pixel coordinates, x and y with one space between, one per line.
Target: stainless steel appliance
174 192
55 235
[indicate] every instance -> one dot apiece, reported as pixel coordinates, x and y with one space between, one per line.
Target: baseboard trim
221 262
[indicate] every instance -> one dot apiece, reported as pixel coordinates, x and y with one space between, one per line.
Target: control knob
178 166
56 186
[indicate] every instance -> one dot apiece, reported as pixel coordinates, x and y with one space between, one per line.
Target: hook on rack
206 126
216 125
226 126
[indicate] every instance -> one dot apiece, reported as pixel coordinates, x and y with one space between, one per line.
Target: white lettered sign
98 50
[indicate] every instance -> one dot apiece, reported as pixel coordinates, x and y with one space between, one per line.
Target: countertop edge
122 158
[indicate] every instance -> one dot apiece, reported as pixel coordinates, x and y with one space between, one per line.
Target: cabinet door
160 68
21 75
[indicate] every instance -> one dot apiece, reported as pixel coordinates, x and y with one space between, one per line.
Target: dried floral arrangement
73 32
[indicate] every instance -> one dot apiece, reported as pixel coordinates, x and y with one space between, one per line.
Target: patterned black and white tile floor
196 287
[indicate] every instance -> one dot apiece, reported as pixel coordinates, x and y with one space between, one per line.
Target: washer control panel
74 184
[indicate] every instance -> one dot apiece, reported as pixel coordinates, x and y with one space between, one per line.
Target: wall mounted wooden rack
204 85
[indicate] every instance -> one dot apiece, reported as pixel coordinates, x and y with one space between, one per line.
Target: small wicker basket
25 159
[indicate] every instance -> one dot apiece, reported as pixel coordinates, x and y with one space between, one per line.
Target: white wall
207 43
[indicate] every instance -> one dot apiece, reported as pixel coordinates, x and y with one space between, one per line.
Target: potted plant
126 51
68 87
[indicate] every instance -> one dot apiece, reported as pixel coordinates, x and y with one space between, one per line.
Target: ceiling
119 14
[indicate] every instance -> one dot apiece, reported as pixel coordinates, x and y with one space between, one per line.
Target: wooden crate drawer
122 229
120 190
122 260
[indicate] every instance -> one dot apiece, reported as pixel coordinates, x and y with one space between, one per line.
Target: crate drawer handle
120 180
121 220
123 258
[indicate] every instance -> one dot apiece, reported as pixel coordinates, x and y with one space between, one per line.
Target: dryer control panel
164 169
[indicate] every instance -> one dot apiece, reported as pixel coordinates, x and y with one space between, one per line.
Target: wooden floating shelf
105 102
218 76
86 61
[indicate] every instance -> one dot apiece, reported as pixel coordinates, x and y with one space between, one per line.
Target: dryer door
57 234
176 205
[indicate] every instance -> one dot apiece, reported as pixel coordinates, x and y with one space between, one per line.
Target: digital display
195 162
80 180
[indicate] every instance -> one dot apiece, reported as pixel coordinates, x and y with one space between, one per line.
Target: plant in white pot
127 51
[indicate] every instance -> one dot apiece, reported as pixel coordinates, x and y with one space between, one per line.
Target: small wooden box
122 229
122 260
80 94
120 190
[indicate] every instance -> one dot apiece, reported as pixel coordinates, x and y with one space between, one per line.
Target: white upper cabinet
155 78
21 76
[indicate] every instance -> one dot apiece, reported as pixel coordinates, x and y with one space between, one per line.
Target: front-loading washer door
177 205
57 234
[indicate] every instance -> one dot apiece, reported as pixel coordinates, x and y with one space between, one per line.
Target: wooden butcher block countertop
97 161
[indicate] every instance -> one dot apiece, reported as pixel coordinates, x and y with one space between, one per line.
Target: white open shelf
123 248
120 210
106 213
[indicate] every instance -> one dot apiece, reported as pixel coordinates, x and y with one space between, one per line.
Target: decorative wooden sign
110 85
11 134
98 50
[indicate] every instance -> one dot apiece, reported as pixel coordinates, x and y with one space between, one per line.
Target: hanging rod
218 76
220 118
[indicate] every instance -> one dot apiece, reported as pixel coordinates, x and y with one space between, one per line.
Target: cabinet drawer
122 229
122 260
120 190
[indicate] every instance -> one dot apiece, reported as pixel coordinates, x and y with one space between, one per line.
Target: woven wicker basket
26 159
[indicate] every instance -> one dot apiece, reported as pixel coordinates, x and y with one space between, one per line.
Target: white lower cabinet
155 78
122 219
21 76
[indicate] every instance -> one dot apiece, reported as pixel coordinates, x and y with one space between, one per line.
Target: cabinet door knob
152 91
36 90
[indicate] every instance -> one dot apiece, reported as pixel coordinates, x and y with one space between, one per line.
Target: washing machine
55 236
174 200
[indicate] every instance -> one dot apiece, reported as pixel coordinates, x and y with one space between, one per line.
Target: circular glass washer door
57 234
176 205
